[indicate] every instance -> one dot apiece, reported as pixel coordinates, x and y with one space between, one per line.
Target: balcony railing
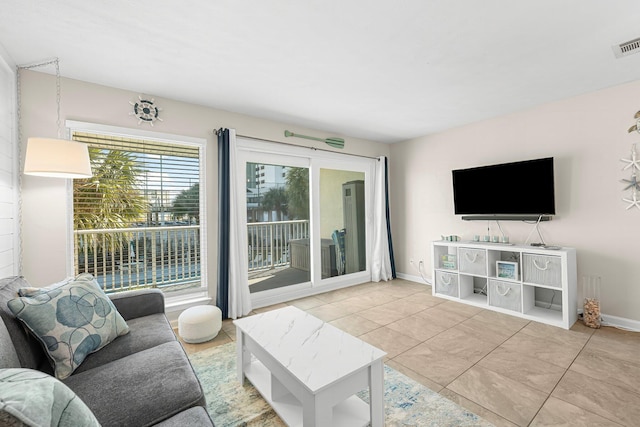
169 257
140 257
269 242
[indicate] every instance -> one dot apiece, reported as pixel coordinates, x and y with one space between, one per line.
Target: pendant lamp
56 157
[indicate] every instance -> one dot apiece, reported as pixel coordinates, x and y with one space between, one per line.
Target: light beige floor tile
617 335
461 344
402 291
609 401
377 297
510 399
306 303
605 367
557 413
337 295
403 307
546 349
389 340
437 365
486 330
381 314
355 325
416 327
425 299
229 328
619 346
327 312
528 362
269 308
581 327
441 316
541 375
577 337
481 411
355 304
504 322
414 375
464 310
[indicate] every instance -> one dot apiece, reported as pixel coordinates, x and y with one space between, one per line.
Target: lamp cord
19 150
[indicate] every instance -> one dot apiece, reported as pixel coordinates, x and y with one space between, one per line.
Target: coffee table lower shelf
353 412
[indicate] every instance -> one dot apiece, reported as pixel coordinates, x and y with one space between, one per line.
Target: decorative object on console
334 142
54 157
591 294
145 110
634 164
507 270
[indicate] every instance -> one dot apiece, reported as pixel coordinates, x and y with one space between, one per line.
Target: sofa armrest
138 303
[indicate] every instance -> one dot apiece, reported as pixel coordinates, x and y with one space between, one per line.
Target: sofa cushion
144 332
29 350
141 389
33 398
71 319
8 355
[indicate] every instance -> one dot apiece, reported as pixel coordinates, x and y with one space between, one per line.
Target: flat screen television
524 188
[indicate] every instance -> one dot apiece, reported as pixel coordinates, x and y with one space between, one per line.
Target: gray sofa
142 378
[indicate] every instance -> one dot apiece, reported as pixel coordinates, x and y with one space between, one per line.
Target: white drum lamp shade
57 158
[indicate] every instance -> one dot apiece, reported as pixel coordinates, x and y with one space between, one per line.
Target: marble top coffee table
309 370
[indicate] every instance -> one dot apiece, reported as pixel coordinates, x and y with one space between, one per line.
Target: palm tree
187 203
275 200
298 193
111 198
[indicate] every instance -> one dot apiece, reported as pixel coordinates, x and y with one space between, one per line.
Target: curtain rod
216 131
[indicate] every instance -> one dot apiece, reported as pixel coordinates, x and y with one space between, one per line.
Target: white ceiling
381 70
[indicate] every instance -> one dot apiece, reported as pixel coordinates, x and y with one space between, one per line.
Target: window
137 223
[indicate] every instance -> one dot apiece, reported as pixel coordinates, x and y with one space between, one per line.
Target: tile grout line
482 358
560 380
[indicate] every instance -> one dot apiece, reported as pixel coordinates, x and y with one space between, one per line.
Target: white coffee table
309 370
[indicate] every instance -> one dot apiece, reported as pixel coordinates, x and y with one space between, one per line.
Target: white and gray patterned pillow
71 319
33 398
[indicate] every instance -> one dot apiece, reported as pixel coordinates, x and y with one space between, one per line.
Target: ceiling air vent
627 48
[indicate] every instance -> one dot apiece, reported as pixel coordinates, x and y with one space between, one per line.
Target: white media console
534 283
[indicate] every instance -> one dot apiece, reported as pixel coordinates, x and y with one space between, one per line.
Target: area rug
407 402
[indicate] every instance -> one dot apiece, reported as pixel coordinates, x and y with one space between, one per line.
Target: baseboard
620 322
412 278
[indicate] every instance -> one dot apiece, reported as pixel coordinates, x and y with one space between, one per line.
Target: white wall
587 135
9 246
45 209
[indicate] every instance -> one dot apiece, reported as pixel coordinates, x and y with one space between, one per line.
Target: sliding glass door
306 220
342 222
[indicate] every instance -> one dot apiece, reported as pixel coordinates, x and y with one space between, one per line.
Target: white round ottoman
199 324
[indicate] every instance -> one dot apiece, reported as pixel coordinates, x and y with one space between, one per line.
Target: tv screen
518 188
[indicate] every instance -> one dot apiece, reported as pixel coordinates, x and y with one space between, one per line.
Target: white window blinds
137 220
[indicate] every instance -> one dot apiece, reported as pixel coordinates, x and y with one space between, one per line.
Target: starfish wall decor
634 164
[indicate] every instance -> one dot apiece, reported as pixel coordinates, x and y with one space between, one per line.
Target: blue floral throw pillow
71 319
33 398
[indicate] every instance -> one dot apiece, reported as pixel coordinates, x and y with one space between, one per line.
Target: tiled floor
508 370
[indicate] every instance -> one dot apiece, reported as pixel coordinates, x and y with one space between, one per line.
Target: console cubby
543 288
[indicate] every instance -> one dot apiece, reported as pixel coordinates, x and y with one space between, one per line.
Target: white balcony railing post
271 240
119 258
153 257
